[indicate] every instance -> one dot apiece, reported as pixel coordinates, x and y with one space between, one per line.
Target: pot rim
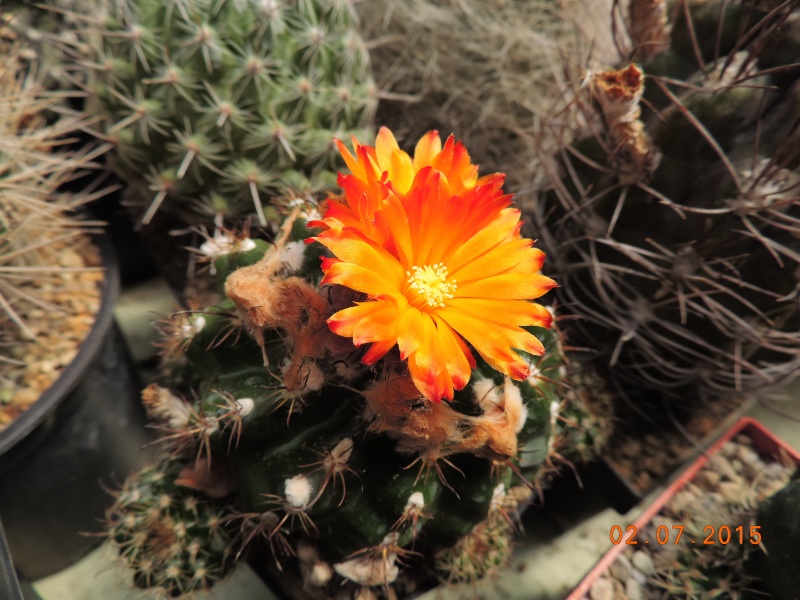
52 397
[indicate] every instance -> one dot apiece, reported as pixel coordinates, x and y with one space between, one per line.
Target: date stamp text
665 535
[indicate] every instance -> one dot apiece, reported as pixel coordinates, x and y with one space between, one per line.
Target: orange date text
723 535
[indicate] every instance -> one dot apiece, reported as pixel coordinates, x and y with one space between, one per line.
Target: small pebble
621 568
602 589
748 456
633 590
711 478
643 563
728 450
733 491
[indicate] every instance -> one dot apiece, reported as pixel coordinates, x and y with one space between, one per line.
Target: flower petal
426 369
345 321
377 351
349 245
453 354
495 342
393 160
428 146
357 278
523 286
520 312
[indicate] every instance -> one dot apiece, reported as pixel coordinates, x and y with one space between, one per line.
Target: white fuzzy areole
245 245
320 574
245 406
194 326
222 243
498 495
372 568
297 491
486 394
341 452
514 406
534 373
292 255
415 501
313 378
175 411
554 406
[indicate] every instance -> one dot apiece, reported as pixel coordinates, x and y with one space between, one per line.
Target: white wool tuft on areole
297 491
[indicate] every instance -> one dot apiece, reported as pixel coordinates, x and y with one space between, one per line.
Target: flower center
430 282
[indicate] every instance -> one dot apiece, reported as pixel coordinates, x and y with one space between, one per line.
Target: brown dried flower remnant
618 92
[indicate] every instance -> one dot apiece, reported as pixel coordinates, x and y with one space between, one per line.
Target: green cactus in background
779 519
281 437
676 226
216 106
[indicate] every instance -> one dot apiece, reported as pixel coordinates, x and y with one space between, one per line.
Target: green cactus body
297 428
215 106
174 539
779 521
676 229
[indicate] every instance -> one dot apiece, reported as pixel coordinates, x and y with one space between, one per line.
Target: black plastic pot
9 585
84 432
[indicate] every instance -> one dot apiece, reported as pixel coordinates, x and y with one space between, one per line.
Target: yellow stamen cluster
430 281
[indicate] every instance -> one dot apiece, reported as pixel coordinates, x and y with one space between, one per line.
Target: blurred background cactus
279 442
214 107
49 272
674 228
493 72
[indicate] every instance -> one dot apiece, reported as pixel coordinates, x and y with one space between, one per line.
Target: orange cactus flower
438 254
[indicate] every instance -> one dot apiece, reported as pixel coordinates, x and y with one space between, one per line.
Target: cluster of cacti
43 243
674 229
346 470
215 107
492 73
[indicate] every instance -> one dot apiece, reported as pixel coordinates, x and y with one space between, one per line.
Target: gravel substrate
714 513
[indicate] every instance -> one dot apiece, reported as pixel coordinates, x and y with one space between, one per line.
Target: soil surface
66 303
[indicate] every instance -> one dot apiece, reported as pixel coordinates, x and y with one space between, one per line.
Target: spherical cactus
677 224
214 107
365 465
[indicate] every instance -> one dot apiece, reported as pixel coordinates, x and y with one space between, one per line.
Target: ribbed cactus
320 450
215 107
676 226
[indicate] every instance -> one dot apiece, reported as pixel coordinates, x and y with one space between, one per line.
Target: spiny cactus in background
216 106
674 229
51 33
359 467
47 266
506 66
